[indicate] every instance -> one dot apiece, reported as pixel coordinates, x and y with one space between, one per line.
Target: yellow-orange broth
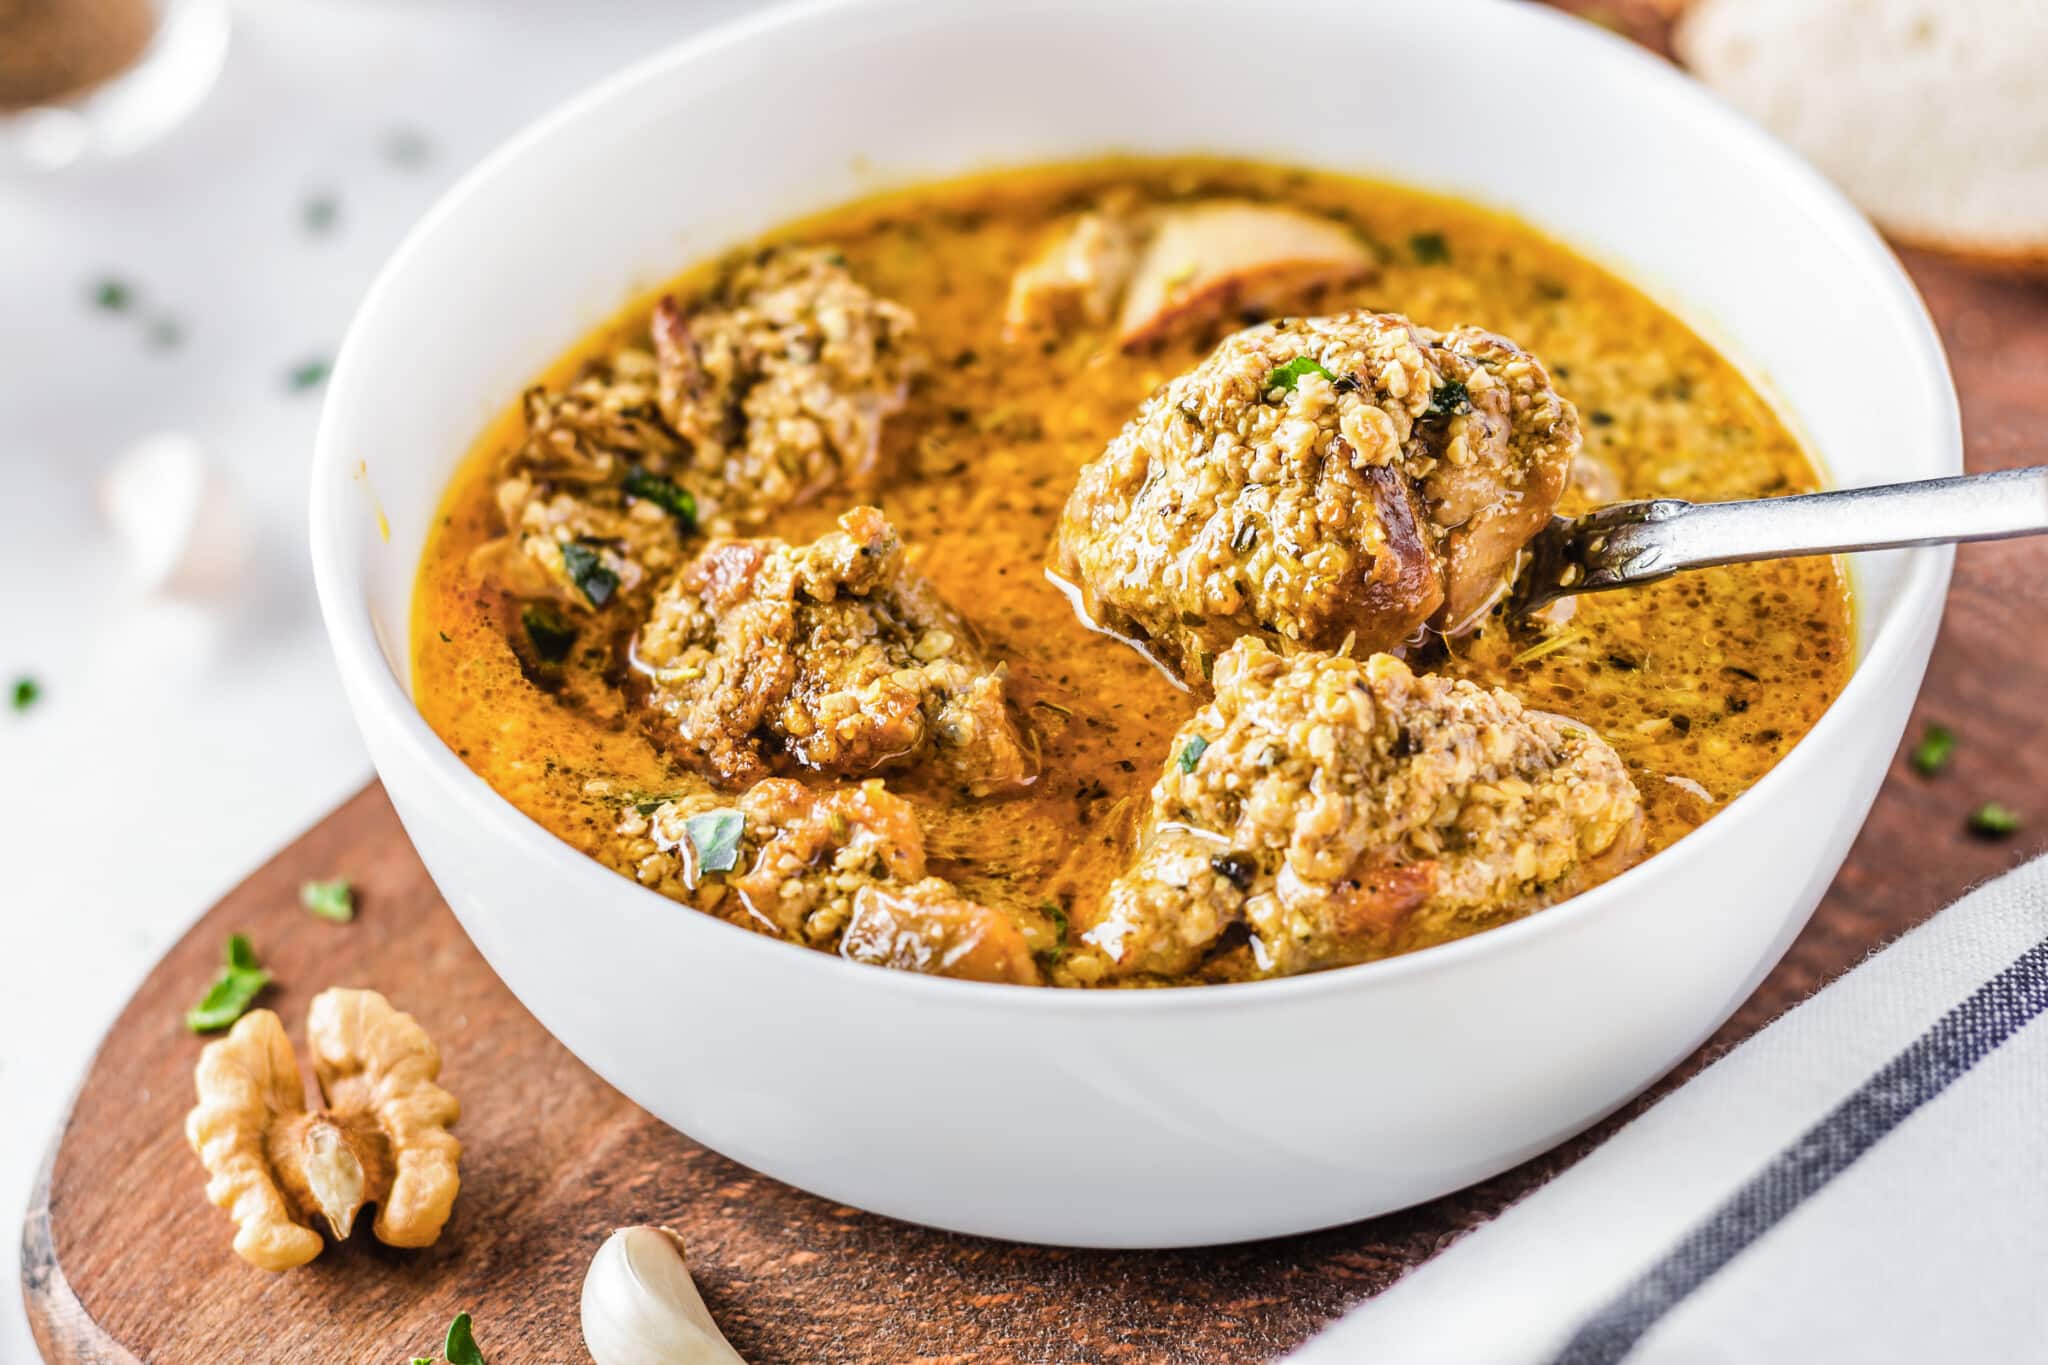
1701 683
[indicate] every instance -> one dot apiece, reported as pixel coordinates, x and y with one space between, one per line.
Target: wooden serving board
125 1261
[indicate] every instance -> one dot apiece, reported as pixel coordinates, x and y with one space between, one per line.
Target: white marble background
177 746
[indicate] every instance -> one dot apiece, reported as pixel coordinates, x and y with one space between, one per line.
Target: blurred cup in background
89 78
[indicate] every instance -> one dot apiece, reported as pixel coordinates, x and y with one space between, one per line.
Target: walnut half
382 1139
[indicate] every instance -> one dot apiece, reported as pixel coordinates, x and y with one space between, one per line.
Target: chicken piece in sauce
591 507
833 653
780 384
1171 269
767 394
1316 480
1327 810
837 867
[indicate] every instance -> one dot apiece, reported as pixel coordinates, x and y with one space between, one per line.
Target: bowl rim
373 685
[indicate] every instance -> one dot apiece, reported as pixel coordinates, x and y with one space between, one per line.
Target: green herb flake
407 147
1191 753
232 992
461 1346
551 633
716 836
27 692
1448 399
308 374
320 213
663 493
1051 909
1994 821
112 295
330 900
166 334
1430 248
446 638
1937 747
588 572
1289 375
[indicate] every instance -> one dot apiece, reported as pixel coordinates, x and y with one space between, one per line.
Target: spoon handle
2010 502
1640 542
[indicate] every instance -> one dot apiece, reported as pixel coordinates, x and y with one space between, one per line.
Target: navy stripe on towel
1963 1037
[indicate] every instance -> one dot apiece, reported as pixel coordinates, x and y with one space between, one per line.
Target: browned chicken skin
930 927
1316 480
1328 810
833 653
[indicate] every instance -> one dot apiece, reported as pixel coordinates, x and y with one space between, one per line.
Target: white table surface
177 746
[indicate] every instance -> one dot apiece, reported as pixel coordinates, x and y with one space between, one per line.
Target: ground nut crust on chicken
838 868
1314 480
780 382
1326 810
834 654
768 392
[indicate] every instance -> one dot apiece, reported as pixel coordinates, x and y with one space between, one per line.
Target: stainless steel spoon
1630 543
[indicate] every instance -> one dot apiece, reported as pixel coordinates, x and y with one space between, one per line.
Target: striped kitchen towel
1865 1180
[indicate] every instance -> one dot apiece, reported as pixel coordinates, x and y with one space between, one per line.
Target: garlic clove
176 518
640 1306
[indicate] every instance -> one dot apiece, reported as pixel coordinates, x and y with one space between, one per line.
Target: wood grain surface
125 1261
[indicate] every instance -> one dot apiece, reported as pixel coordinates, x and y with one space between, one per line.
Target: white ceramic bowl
1150 1118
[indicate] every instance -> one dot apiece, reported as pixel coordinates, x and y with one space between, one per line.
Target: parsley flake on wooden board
1936 748
1994 821
232 992
329 900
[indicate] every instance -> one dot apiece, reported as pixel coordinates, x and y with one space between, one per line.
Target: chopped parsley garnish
552 635
1448 399
166 334
307 374
112 296
1191 753
461 1348
1288 375
587 572
1936 747
1994 821
27 692
1600 417
663 493
231 993
649 803
1053 911
320 213
330 900
1246 537
1430 248
716 836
